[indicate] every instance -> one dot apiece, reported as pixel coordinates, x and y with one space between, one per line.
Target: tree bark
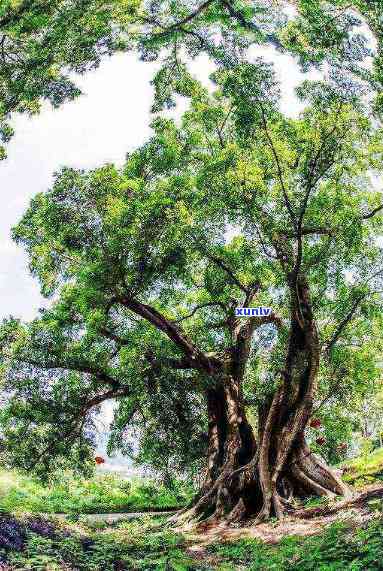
247 478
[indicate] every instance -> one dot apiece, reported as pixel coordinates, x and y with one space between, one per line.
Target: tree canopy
42 43
235 205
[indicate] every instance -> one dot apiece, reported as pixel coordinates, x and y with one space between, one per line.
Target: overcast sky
110 118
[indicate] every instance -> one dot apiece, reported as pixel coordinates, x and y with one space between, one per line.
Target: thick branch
308 513
171 330
243 340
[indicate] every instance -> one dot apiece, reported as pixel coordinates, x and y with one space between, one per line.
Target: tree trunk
246 478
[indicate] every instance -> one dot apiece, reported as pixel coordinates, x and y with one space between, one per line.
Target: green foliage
144 545
140 545
101 494
337 429
337 547
43 42
148 544
365 469
146 282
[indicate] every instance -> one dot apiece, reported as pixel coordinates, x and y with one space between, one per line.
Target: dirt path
357 512
110 517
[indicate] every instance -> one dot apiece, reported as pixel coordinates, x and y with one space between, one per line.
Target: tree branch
201 306
343 324
180 23
177 364
244 336
237 15
306 231
372 213
78 420
171 330
110 335
279 169
68 366
221 264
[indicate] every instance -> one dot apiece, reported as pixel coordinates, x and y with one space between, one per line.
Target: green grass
148 546
366 469
111 493
337 547
103 493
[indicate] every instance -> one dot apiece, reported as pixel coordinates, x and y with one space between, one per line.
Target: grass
367 469
147 546
112 493
103 493
338 547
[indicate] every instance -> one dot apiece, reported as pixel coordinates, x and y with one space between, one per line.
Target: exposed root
360 499
311 484
238 495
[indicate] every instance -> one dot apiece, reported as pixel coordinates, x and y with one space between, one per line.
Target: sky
110 119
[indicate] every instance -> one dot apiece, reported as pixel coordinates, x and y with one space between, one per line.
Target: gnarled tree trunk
248 477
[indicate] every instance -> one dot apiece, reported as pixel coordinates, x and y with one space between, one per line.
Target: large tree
238 206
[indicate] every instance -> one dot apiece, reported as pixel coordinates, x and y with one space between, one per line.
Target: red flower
99 460
315 423
321 440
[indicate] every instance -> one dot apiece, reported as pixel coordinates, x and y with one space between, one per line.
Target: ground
352 541
343 536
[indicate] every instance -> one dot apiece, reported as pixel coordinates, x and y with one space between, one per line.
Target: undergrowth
366 469
103 493
143 545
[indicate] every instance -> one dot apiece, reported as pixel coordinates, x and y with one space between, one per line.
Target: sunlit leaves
210 208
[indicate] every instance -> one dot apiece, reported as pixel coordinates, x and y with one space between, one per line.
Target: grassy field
103 493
